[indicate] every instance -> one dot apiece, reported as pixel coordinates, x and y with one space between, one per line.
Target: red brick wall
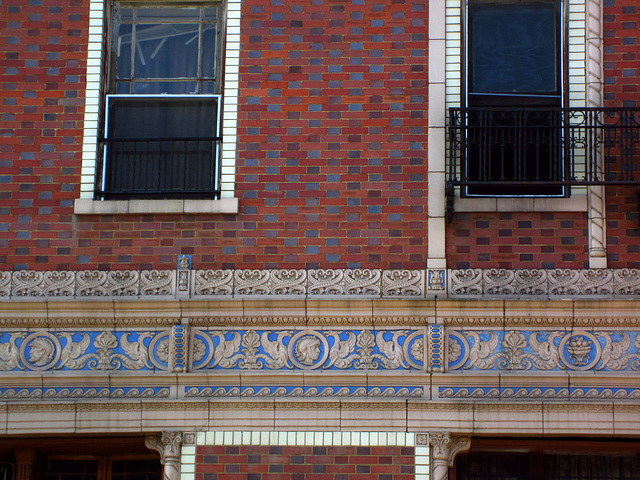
332 151
332 145
518 240
42 79
304 463
622 89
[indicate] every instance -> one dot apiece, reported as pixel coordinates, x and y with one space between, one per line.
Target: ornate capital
444 448
168 445
456 446
439 445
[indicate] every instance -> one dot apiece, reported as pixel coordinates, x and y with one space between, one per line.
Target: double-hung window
162 111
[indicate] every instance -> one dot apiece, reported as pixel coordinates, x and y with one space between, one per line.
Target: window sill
576 203
84 206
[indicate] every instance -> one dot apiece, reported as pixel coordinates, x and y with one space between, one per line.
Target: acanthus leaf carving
393 356
277 356
341 353
10 353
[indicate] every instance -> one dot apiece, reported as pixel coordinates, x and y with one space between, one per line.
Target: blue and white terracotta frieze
84 350
538 393
179 350
304 391
543 350
308 349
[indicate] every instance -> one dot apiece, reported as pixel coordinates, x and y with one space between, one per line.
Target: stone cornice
328 311
460 418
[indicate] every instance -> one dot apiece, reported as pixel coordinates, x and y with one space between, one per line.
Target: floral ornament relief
513 354
580 351
543 350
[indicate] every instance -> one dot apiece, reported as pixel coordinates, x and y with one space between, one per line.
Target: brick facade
518 240
304 462
331 163
622 87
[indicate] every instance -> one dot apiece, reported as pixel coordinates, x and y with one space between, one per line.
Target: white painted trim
436 257
188 456
576 203
87 206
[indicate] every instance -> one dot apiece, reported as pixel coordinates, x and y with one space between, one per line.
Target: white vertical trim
230 99
594 77
362 439
92 97
438 31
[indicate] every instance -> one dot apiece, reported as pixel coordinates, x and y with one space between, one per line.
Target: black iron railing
159 168
540 151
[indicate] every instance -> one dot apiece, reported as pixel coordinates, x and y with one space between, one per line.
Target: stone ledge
184 282
576 203
85 206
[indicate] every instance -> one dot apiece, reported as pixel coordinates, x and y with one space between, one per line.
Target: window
511 128
547 466
103 468
162 128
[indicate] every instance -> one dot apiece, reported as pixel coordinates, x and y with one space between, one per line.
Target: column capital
168 444
444 448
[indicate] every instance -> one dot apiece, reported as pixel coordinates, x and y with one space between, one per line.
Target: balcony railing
540 151
159 168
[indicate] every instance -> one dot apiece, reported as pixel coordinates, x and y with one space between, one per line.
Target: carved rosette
444 448
168 445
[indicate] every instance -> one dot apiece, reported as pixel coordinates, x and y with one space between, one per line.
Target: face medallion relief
308 350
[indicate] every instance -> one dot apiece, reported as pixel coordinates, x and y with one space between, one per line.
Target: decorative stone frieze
538 393
362 283
205 391
83 350
546 350
549 283
308 349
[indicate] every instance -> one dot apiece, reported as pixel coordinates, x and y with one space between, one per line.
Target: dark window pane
514 48
123 50
123 87
145 117
166 50
210 14
72 470
152 158
207 87
126 15
152 15
154 88
209 51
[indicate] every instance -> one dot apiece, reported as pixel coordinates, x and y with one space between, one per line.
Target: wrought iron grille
159 168
540 151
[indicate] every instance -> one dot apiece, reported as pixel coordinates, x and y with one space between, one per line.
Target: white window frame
95 92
